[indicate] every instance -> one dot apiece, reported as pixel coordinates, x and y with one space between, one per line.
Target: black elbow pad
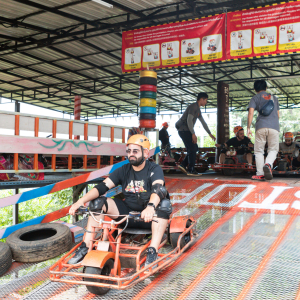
159 190
102 188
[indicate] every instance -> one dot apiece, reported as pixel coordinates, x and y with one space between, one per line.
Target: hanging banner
263 31
176 44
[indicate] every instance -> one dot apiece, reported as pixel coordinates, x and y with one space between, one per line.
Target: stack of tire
148 90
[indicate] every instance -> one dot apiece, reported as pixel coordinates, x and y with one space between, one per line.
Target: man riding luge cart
236 154
122 250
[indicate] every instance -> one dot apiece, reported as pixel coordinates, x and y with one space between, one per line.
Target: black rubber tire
175 235
148 80
39 242
228 172
104 271
147 94
147 116
5 258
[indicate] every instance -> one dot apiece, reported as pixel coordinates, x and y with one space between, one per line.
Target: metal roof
52 50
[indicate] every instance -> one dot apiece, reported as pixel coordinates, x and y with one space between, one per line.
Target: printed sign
263 31
176 44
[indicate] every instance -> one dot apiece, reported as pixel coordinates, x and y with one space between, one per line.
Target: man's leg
273 146
259 147
249 158
158 230
112 209
222 158
183 136
83 249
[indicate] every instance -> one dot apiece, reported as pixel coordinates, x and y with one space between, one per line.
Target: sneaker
268 172
258 177
182 169
193 173
79 255
151 256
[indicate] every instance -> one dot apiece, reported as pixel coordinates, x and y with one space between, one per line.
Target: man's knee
99 204
164 209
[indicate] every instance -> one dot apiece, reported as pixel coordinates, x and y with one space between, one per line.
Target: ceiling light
104 3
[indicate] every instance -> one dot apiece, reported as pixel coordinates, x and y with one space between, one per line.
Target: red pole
77 111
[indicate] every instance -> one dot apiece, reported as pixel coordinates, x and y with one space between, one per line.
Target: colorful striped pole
148 90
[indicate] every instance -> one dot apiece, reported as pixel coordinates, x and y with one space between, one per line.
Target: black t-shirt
164 136
234 142
143 182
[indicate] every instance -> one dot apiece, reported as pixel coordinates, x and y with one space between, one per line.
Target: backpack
267 108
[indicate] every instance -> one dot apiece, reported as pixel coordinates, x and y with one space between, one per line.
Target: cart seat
137 231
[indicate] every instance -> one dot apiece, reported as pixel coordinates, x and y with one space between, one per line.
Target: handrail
43 124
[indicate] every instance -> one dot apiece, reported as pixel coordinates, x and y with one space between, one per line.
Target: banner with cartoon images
175 44
263 31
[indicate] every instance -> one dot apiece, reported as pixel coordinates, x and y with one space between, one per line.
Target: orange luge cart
116 258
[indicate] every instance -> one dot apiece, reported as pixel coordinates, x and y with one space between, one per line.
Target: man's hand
194 138
74 207
250 145
212 137
147 214
218 145
249 133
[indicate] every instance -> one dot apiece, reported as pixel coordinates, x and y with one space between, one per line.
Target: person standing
266 129
185 126
165 138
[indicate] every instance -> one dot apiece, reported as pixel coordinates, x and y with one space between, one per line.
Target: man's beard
135 161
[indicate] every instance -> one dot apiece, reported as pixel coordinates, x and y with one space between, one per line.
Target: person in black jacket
165 138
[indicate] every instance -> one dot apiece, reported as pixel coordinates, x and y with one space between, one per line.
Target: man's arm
91 195
148 213
206 127
249 122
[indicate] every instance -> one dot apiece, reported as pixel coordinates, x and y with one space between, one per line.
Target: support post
99 156
16 210
77 111
112 137
54 129
222 115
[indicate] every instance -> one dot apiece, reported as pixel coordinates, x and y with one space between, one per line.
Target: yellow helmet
139 139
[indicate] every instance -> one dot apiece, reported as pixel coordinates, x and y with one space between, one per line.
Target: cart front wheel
98 271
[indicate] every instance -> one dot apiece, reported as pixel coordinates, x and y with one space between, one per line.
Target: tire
39 242
147 123
148 80
228 172
175 236
148 73
5 258
147 110
283 166
211 160
151 95
97 271
147 116
148 88
147 102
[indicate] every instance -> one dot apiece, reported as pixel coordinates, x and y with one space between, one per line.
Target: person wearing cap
185 126
266 129
290 149
165 138
143 187
241 143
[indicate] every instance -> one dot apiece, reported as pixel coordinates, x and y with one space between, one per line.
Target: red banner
263 31
175 44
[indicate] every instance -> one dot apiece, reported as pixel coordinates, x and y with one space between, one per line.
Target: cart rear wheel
185 239
98 271
228 172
